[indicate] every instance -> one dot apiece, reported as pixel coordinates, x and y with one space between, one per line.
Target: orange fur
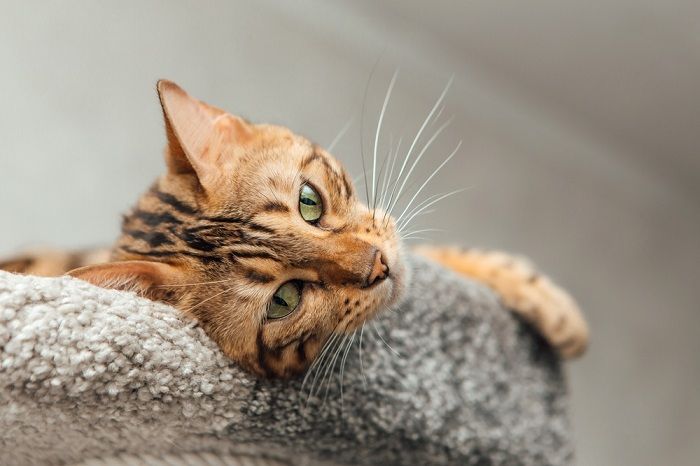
221 231
225 220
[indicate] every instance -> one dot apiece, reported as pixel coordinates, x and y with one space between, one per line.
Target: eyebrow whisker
376 136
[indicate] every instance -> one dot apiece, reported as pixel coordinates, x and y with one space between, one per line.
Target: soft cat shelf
89 373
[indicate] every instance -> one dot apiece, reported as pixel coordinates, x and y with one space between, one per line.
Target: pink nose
379 269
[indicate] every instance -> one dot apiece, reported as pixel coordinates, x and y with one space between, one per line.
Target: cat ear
147 279
197 134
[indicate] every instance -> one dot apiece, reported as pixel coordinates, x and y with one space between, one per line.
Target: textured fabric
185 459
89 373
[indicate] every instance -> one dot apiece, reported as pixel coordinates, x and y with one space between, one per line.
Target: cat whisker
418 159
424 208
328 373
376 135
426 212
415 139
174 285
208 299
424 230
387 181
362 369
314 364
317 365
437 116
435 172
340 135
326 367
313 389
420 205
411 238
362 127
404 221
409 187
342 366
381 172
400 220
384 341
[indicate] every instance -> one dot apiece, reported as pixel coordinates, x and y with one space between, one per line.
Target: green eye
310 204
284 301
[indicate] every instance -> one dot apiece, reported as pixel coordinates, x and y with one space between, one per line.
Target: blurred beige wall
580 124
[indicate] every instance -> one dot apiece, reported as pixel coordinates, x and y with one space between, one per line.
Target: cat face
257 233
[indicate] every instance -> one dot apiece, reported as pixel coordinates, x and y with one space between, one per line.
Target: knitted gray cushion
88 372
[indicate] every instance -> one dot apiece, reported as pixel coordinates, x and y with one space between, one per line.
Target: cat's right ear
198 135
152 280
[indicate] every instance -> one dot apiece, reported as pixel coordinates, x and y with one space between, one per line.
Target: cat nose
379 269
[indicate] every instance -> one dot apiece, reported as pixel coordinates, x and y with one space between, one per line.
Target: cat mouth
378 283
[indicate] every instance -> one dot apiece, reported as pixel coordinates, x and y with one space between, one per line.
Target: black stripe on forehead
170 255
154 239
155 218
336 181
256 276
236 254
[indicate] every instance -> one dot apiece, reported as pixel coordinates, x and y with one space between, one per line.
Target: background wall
580 124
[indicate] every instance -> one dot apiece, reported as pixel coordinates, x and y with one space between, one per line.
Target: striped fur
224 230
220 232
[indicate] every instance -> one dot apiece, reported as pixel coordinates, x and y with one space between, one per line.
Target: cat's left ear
200 136
147 279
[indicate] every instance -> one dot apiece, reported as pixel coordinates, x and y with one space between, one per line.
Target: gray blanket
88 372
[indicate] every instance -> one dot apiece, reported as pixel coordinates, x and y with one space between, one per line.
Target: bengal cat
259 235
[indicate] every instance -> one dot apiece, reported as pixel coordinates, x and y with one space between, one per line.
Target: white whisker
342 366
382 175
362 127
382 338
415 162
411 238
420 204
194 284
362 369
405 219
422 230
318 358
419 133
431 176
340 135
379 128
318 363
338 344
387 181
429 211
331 368
209 299
426 212
437 115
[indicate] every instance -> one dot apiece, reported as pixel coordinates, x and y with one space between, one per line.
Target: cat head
257 233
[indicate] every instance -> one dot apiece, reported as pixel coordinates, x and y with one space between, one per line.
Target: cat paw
548 307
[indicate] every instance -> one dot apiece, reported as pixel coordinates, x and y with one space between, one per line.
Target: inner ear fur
148 279
199 135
